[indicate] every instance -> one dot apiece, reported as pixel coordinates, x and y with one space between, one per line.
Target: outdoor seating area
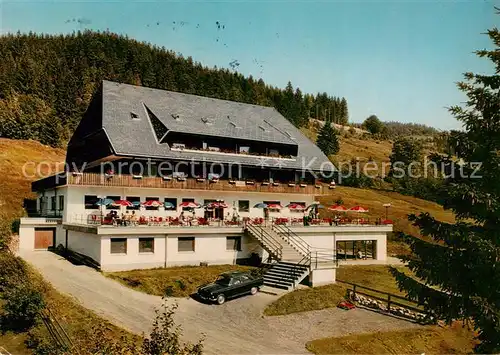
148 213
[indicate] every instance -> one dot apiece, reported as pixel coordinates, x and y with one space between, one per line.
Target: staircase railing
267 240
313 257
293 239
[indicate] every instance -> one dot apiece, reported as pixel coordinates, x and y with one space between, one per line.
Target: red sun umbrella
275 206
218 205
189 205
338 208
358 209
296 206
152 203
122 203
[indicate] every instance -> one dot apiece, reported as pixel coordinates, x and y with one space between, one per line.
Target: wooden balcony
95 179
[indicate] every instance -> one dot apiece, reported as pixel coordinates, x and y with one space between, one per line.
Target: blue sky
396 59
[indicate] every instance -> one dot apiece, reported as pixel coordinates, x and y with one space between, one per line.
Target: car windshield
223 280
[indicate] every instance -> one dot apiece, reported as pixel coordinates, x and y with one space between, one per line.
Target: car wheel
221 299
254 290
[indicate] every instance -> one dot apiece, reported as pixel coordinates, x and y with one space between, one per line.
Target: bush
21 307
13 271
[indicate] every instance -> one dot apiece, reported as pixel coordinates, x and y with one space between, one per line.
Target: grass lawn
309 299
183 280
454 339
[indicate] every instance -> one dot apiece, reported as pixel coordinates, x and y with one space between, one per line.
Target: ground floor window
146 245
118 246
61 203
185 244
233 243
357 249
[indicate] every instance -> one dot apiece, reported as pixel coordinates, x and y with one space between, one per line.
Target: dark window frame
117 240
133 199
152 199
88 205
243 210
112 197
172 200
152 248
193 243
53 201
61 202
236 244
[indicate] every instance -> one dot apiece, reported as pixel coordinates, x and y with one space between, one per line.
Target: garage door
44 238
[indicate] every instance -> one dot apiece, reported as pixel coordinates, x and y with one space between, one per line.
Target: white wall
85 243
320 277
26 237
76 211
209 248
133 259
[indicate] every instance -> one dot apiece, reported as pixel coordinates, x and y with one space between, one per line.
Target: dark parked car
229 285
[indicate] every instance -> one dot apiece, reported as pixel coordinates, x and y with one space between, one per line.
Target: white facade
74 211
117 248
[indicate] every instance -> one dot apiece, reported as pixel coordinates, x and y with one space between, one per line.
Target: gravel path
237 327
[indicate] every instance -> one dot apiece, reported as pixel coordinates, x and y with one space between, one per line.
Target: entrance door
44 238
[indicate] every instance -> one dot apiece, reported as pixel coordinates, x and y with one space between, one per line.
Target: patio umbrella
169 205
315 205
275 206
338 208
189 205
296 206
260 205
358 209
217 205
152 203
104 202
122 203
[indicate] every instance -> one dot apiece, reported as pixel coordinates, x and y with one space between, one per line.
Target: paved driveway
237 327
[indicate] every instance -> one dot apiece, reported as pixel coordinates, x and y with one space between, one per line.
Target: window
114 198
173 201
53 203
187 200
61 203
151 208
233 243
137 202
146 245
90 202
244 206
185 244
118 246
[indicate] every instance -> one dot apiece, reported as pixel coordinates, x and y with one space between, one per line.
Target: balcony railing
95 179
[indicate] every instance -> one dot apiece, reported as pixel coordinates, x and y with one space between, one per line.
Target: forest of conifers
47 81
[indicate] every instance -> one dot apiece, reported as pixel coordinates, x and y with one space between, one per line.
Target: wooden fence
387 303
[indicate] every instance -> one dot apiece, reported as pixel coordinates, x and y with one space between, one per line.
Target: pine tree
458 264
328 140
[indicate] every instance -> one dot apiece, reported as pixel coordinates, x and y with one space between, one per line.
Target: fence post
388 303
354 293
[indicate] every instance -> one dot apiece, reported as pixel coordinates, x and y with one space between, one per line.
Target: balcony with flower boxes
184 183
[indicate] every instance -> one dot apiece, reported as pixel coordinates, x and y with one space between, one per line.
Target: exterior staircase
290 266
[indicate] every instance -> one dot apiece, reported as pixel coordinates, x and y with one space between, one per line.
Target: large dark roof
127 124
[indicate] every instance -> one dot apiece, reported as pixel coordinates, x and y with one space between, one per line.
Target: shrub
21 307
